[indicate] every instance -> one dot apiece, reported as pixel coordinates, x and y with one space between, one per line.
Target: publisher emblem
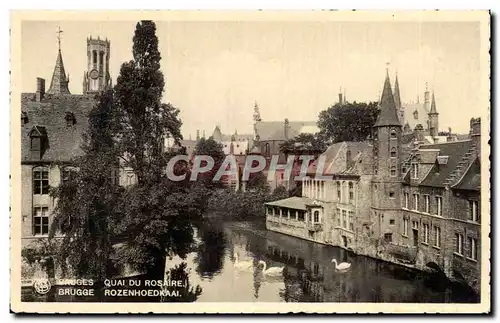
42 286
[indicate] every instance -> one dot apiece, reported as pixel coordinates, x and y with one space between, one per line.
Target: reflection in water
308 275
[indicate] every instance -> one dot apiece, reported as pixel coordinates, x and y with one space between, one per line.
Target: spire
388 115
256 113
59 83
397 96
433 104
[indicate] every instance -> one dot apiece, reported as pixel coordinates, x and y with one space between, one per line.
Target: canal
216 272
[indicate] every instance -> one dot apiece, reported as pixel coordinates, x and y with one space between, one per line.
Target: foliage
257 181
41 248
347 122
126 129
209 147
304 142
239 205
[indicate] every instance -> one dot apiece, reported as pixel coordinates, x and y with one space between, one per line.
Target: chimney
287 125
340 99
475 133
40 88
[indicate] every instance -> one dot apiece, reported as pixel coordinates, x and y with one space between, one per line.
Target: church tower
386 182
433 118
97 77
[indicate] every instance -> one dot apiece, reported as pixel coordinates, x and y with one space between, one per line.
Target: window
301 215
41 220
393 134
392 222
473 211
427 204
459 243
393 171
391 195
344 219
351 220
293 214
407 197
351 192
426 233
309 217
94 57
40 181
339 192
269 210
405 227
316 216
393 152
414 225
415 202
388 237
266 149
472 248
437 231
439 206
414 170
67 173
284 213
338 217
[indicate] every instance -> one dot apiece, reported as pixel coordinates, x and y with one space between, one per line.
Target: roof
388 115
336 162
294 202
472 179
218 136
49 116
455 151
275 130
59 83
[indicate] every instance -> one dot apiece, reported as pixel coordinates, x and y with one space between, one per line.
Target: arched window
316 216
393 134
393 171
393 152
94 58
351 192
40 180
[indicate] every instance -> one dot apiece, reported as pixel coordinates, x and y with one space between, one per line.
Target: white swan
343 266
272 271
244 265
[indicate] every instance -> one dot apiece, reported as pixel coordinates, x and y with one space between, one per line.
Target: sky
216 71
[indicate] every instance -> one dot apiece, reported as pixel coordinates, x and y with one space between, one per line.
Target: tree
304 142
347 122
87 200
209 147
157 214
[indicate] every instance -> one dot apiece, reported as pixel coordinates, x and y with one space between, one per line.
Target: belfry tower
97 77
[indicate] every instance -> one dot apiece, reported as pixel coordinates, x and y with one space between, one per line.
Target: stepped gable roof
471 181
64 142
455 151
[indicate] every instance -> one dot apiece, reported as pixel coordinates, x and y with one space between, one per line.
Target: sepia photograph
250 162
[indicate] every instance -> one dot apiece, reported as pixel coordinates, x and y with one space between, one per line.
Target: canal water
214 272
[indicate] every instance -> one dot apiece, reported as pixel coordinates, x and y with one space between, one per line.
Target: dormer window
393 152
24 118
70 119
393 134
38 140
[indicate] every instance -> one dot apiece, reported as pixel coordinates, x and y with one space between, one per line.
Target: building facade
412 203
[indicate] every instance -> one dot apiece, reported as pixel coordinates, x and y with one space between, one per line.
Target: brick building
52 124
409 202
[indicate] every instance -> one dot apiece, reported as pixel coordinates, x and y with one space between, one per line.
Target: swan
343 266
244 265
272 271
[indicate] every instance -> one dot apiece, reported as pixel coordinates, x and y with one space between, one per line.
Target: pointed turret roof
433 104
388 115
59 83
397 96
